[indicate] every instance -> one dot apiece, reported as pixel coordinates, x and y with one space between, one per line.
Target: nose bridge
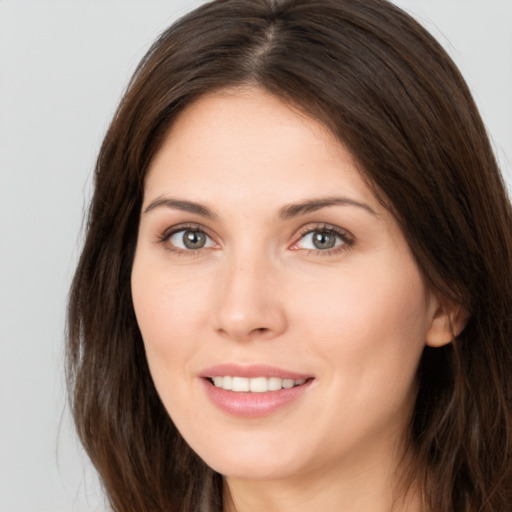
248 304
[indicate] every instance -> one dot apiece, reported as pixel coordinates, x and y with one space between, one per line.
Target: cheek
379 308
366 332
172 314
368 325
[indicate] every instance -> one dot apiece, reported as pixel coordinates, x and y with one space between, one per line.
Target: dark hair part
385 88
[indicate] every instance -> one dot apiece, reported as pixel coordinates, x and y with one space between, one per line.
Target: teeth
274 384
258 385
288 383
240 384
227 383
254 385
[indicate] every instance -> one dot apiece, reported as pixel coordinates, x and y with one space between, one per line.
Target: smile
254 390
255 384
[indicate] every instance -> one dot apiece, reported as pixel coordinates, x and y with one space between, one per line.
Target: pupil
194 239
324 240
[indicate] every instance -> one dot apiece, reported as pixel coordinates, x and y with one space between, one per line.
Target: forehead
249 144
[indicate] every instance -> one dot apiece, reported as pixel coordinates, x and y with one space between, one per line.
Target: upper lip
251 371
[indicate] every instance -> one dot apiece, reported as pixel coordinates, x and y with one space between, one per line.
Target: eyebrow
181 204
286 212
312 205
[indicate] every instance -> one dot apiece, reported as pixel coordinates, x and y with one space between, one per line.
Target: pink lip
251 371
252 405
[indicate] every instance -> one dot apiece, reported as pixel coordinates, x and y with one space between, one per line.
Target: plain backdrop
63 67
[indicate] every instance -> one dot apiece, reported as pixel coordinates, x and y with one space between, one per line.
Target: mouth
252 391
261 384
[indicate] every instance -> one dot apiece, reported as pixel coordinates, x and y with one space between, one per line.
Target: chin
262 469
253 458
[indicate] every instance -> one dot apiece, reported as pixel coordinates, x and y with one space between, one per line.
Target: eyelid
164 237
171 230
347 238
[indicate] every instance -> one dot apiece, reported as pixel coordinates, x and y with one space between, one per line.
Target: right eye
190 240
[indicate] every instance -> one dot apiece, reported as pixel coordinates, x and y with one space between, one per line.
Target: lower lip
253 405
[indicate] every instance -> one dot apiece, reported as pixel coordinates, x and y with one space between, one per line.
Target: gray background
63 67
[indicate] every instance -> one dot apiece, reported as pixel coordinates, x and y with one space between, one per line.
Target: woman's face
263 262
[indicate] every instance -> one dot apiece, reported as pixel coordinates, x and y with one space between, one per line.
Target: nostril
259 331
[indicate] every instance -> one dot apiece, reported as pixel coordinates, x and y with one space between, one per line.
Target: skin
355 317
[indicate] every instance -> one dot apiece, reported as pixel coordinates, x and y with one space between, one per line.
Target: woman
295 290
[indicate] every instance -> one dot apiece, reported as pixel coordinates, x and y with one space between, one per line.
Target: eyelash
346 238
168 233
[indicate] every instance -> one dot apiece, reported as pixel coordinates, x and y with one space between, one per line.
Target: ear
448 321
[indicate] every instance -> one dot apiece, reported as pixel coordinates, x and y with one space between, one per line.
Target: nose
249 305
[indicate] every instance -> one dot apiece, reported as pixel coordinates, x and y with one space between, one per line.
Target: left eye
190 239
320 240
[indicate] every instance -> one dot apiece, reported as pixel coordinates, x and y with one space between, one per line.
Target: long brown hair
385 88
